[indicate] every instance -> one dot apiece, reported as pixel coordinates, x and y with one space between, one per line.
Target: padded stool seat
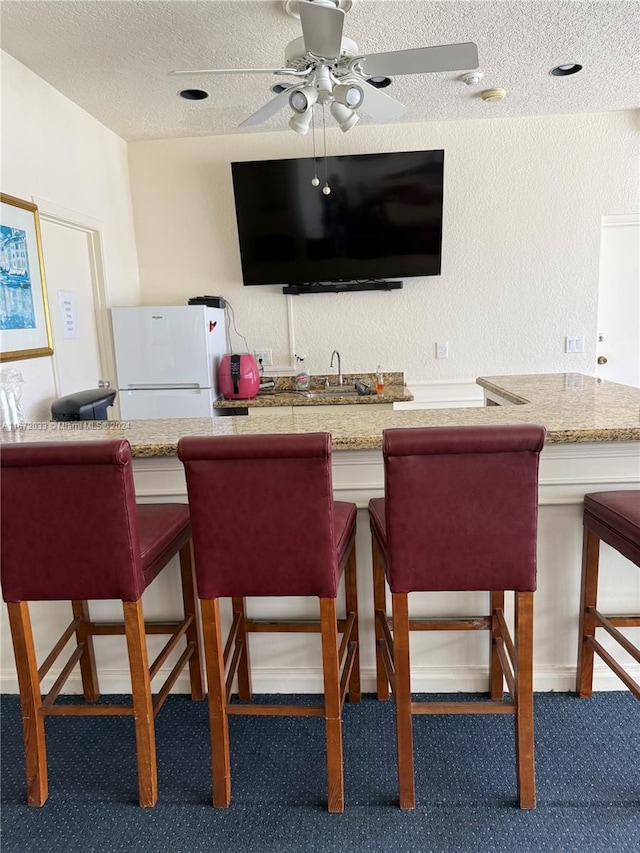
71 530
614 518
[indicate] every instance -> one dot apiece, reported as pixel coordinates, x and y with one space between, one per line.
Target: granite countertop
573 407
284 393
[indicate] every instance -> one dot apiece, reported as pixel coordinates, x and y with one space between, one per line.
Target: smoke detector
493 95
472 78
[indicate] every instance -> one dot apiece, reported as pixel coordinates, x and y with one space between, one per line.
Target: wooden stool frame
341 672
591 619
144 706
509 661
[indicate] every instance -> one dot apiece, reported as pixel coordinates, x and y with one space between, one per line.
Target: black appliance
382 218
90 405
209 301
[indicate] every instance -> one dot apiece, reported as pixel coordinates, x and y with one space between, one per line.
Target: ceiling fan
329 70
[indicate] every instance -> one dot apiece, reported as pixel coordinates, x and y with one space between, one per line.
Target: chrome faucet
335 352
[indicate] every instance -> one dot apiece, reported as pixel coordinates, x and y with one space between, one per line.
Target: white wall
523 205
53 150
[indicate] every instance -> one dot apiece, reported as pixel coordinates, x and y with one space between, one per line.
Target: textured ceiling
113 58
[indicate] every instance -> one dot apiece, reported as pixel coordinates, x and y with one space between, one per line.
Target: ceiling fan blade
421 60
229 71
380 106
268 110
321 29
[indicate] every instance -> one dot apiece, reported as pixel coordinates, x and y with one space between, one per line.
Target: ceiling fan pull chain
315 181
326 189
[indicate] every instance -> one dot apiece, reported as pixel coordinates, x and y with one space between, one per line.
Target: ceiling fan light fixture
348 94
565 69
345 117
322 59
301 100
300 122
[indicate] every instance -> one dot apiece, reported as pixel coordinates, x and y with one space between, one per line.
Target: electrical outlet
574 343
264 357
442 349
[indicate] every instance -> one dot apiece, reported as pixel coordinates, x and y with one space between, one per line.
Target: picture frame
25 327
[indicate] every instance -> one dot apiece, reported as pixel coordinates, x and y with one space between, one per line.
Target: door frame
615 220
92 228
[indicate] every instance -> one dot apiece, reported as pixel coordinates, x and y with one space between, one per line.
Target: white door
619 300
69 270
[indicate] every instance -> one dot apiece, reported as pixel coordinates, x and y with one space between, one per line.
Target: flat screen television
382 218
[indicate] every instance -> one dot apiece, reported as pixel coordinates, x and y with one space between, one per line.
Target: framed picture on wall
25 330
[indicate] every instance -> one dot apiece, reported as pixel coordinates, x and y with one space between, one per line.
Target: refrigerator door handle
184 386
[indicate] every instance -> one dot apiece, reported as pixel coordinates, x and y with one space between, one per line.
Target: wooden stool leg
379 606
525 759
244 664
588 599
351 603
496 677
218 718
333 720
190 606
88 672
142 702
35 749
402 695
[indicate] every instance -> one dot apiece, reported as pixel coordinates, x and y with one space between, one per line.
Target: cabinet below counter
311 407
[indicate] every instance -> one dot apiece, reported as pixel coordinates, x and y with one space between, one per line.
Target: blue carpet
588 779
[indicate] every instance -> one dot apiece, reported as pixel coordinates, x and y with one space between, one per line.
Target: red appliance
238 376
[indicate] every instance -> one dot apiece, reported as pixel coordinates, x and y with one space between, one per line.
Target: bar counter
574 408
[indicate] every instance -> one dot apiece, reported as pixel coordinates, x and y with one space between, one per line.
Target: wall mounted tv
381 220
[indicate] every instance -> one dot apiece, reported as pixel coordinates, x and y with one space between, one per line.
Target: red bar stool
71 530
614 518
265 524
459 514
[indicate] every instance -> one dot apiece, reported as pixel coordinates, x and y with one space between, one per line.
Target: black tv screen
382 219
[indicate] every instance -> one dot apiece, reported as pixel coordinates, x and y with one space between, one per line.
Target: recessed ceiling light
194 94
566 69
278 88
380 82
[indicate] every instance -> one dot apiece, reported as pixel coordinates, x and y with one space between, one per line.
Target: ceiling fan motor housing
296 56
291 7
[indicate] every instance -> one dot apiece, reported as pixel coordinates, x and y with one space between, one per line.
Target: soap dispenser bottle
379 380
303 380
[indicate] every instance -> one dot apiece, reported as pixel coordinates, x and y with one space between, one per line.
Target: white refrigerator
167 360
